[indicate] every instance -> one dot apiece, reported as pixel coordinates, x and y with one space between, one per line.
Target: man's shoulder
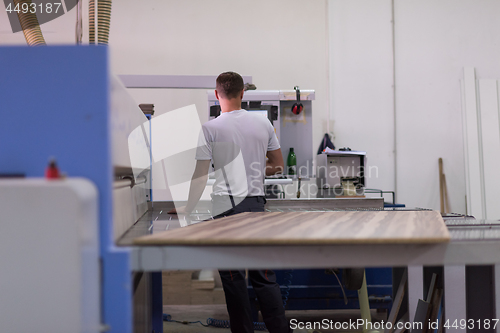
258 119
213 123
245 118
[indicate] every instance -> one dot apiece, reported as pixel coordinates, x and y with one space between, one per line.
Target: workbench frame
454 256
455 253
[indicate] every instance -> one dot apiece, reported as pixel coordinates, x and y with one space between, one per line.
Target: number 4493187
34 8
471 324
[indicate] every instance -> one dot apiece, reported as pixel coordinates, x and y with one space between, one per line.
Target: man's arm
275 162
198 183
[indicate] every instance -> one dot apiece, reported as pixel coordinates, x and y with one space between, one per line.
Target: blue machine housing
312 289
54 101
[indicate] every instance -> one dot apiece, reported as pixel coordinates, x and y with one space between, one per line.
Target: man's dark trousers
263 282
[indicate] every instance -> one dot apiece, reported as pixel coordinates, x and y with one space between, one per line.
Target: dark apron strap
228 189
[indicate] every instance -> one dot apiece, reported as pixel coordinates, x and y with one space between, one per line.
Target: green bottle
292 163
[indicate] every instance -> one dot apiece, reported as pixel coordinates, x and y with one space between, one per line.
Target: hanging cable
341 287
29 24
286 285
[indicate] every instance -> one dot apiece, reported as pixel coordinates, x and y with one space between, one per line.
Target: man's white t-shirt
237 143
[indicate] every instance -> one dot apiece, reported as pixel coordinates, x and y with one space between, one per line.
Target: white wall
433 41
279 43
283 43
361 71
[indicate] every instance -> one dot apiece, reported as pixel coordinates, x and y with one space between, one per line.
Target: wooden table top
309 228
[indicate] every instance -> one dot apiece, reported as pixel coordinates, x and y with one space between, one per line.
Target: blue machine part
54 101
312 289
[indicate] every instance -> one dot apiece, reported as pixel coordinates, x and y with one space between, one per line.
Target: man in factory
237 143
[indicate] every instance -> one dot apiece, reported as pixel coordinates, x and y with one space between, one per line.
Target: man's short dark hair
229 85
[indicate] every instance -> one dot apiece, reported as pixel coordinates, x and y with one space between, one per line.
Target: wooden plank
441 189
490 125
423 310
310 228
396 304
466 148
436 306
432 288
473 156
445 193
203 284
440 327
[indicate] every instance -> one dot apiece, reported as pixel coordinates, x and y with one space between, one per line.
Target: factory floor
218 311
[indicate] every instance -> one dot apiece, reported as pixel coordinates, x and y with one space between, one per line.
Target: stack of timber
179 288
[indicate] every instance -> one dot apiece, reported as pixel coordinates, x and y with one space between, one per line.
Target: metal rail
129 181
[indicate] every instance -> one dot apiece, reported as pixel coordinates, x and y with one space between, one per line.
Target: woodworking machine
340 173
62 102
71 240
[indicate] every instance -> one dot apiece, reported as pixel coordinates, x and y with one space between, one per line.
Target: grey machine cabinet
292 130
